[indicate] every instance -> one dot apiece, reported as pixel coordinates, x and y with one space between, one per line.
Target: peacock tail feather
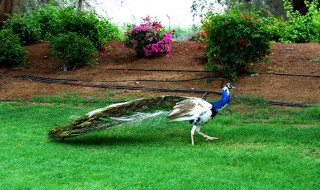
110 116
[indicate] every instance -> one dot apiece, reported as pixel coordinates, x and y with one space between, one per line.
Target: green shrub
108 31
49 21
302 28
275 25
47 18
74 50
88 24
235 39
25 26
11 52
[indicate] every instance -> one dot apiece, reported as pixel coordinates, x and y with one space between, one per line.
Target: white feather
201 109
138 116
90 114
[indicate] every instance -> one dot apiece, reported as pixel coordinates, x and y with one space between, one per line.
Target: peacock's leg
206 136
194 128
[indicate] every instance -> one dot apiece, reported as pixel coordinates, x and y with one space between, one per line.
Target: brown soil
285 58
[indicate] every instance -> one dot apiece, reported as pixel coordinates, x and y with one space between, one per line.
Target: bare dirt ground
285 58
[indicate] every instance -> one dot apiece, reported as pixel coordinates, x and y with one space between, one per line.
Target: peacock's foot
212 138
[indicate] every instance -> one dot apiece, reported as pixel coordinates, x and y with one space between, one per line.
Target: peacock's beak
231 87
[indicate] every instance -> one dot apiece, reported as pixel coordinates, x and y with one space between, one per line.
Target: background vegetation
11 51
74 50
241 43
59 26
241 36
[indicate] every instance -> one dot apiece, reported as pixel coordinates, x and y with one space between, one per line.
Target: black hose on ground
160 70
135 80
293 75
60 81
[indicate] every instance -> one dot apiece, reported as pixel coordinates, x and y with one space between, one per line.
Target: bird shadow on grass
98 140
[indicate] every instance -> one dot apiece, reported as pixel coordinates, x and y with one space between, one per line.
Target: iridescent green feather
103 118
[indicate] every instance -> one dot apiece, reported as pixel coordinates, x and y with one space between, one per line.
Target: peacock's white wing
189 109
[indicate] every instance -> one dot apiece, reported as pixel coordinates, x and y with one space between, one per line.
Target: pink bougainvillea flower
136 28
148 38
159 25
144 27
147 19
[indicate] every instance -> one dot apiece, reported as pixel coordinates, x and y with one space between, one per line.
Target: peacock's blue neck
225 99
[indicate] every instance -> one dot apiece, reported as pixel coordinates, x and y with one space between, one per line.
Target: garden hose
61 81
160 70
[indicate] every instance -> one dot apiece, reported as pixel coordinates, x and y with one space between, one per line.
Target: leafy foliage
25 26
49 21
47 17
11 52
275 26
108 31
149 38
86 24
74 50
302 28
235 40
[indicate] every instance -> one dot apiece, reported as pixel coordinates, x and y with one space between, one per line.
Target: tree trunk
8 7
80 5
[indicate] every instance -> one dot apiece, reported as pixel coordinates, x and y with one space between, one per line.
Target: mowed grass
260 147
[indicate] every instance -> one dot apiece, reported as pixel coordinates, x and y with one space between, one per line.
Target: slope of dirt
285 58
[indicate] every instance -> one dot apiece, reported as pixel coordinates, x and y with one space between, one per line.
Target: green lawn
261 147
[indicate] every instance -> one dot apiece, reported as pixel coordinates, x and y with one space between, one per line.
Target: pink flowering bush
149 38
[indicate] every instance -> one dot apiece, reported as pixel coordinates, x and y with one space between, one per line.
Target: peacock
198 111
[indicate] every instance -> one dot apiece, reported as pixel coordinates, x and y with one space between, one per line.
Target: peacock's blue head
225 99
225 89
